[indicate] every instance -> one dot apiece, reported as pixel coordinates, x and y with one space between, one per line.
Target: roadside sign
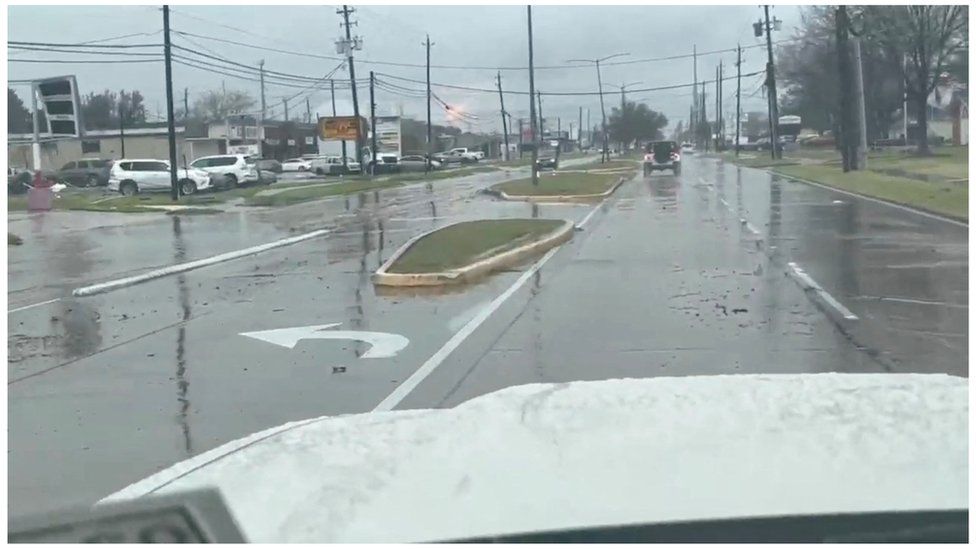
249 150
62 108
343 128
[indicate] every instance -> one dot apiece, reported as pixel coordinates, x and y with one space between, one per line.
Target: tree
217 105
808 70
18 117
635 121
131 107
929 36
98 110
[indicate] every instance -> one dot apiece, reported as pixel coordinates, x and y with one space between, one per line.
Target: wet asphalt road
663 279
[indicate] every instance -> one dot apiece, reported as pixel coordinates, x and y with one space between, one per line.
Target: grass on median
296 195
465 243
560 184
116 203
14 240
942 198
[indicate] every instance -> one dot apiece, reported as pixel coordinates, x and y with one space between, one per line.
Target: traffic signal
757 28
62 109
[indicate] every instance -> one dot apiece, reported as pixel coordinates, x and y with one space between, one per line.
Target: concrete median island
561 187
468 250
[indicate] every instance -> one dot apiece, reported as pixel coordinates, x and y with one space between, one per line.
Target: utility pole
904 99
738 95
372 124
862 149
308 111
579 131
535 140
263 114
520 138
721 106
704 117
848 141
696 127
718 112
501 99
186 104
122 129
349 47
771 83
430 143
285 103
171 124
542 132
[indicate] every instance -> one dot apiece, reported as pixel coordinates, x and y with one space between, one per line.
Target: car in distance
547 162
296 165
131 176
267 164
416 163
687 148
662 155
332 165
87 172
466 154
231 170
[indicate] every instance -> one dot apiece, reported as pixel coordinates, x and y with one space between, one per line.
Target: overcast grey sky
490 36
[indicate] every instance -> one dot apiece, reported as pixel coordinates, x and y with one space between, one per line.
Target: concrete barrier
561 197
473 271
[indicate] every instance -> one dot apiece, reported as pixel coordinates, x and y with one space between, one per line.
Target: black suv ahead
662 155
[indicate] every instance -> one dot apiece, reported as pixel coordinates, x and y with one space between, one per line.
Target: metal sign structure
388 135
341 128
62 106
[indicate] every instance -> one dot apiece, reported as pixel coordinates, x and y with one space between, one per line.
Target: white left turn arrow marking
382 344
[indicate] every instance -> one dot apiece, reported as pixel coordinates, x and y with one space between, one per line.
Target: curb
559 197
469 272
914 209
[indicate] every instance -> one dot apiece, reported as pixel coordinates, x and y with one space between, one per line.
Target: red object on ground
40 197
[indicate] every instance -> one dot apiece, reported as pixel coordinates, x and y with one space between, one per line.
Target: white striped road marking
25 307
190 265
808 283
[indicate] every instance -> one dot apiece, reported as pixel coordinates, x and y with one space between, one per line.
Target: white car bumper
113 184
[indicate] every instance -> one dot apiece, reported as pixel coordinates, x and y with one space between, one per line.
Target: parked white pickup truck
466 152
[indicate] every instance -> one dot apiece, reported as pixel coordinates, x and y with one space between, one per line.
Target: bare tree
216 104
929 36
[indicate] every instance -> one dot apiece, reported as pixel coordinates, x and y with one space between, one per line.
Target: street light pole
605 155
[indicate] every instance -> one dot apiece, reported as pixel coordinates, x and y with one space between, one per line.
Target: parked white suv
134 175
232 169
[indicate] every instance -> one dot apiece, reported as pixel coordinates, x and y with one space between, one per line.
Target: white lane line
724 203
808 283
878 200
458 338
190 265
25 307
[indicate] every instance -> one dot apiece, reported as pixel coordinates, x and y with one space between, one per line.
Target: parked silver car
87 172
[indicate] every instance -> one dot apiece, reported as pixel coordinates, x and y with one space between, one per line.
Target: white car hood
542 457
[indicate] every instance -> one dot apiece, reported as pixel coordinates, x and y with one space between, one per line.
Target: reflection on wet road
671 276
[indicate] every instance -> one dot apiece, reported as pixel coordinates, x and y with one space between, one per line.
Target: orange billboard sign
341 128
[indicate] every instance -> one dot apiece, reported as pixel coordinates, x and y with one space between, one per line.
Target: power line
110 38
72 52
84 61
12 43
467 67
483 90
